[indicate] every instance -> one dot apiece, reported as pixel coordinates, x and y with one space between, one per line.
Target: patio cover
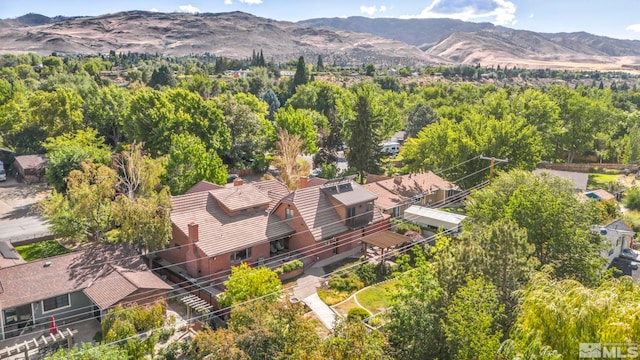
385 239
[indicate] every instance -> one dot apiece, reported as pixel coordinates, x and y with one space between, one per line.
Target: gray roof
579 180
618 225
348 193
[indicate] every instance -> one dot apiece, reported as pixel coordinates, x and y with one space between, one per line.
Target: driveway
18 219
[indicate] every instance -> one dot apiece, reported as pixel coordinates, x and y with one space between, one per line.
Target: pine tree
320 66
301 76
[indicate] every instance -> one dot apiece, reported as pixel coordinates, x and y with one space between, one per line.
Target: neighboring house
77 285
578 179
214 229
619 237
396 194
600 195
330 218
30 168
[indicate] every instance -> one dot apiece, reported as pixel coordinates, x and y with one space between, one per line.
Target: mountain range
342 41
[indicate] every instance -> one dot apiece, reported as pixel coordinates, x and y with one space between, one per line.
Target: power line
317 251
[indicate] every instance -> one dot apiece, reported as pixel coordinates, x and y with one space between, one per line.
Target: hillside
419 32
455 41
234 34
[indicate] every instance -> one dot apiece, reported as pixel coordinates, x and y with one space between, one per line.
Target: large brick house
329 219
215 228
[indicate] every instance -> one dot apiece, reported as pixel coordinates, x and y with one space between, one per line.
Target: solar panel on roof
7 251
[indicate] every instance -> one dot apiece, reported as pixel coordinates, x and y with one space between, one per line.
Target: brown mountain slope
234 34
521 48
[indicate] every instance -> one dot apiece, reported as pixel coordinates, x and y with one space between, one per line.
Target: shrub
292 265
403 227
346 281
357 314
367 274
632 199
375 321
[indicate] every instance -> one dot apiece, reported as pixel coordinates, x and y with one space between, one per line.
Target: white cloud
371 10
368 10
634 27
228 2
154 10
189 9
499 12
251 2
531 16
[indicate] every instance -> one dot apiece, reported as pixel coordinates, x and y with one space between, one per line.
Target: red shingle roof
203 186
59 275
117 283
319 215
240 197
219 233
395 191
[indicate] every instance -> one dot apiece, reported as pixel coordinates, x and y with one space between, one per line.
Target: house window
288 213
396 211
369 206
241 255
55 302
351 212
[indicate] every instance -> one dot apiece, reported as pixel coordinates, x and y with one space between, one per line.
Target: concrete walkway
322 310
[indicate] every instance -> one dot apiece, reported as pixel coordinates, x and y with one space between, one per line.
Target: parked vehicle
391 148
629 254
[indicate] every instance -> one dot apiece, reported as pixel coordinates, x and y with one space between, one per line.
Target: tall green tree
107 113
271 99
303 123
301 75
250 132
364 133
150 119
557 223
471 323
246 283
190 162
66 153
414 330
86 210
162 76
419 117
56 112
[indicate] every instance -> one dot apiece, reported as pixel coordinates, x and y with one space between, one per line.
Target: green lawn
600 181
377 298
41 250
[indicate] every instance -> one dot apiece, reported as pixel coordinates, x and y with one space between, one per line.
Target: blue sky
614 18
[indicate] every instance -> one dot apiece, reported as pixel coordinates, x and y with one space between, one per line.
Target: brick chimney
304 182
193 232
238 181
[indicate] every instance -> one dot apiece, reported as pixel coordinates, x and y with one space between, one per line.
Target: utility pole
493 160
